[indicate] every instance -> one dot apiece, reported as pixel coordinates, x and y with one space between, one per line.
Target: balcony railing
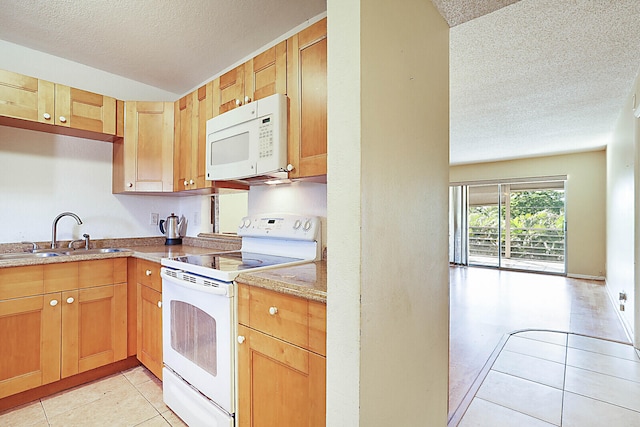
543 244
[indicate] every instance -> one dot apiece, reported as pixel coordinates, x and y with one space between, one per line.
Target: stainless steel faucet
54 227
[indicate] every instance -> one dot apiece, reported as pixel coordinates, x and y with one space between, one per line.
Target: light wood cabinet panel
261 76
281 376
148 274
30 350
79 109
143 160
149 332
55 335
191 114
268 72
307 89
26 98
30 103
279 383
94 327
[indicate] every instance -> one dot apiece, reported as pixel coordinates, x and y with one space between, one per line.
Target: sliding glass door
516 225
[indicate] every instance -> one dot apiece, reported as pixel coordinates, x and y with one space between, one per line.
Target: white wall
622 199
585 200
46 174
388 294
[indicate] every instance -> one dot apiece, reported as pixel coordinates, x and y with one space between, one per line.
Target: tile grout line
564 378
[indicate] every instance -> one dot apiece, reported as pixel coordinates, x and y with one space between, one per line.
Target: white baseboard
586 277
628 328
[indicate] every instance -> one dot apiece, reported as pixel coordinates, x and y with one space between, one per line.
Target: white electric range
199 318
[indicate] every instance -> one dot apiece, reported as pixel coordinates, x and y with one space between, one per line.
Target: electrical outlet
154 218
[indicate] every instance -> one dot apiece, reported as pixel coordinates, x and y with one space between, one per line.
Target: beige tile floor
544 378
129 398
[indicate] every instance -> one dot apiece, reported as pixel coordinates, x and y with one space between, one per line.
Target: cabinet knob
238 102
191 182
290 167
130 184
53 302
273 311
247 99
63 119
148 272
159 304
185 183
47 116
70 300
240 339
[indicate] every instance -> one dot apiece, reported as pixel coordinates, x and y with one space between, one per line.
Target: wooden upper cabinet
191 114
264 75
269 72
307 90
143 160
81 113
26 98
79 109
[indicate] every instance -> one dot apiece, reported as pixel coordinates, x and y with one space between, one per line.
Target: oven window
193 335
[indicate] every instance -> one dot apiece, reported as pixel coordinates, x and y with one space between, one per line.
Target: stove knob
297 224
247 222
307 225
241 224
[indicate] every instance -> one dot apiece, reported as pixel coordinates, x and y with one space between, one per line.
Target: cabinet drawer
276 314
149 274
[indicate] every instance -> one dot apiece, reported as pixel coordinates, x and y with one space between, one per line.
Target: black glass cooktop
235 261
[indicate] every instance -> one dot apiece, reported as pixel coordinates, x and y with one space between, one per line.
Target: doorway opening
509 225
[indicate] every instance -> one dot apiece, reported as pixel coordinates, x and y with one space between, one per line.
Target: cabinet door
26 98
307 89
203 111
143 160
268 73
183 130
279 383
149 346
79 109
230 90
94 327
30 350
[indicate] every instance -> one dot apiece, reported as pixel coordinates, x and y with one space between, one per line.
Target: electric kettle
173 231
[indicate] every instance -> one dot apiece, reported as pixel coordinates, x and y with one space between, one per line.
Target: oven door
197 338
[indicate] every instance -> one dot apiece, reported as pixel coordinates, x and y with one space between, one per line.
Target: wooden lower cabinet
280 383
58 320
149 313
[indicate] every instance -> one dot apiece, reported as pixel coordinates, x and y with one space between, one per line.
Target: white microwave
248 141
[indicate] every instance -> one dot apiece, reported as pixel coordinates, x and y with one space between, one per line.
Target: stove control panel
280 226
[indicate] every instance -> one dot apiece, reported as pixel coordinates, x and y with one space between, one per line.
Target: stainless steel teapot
174 230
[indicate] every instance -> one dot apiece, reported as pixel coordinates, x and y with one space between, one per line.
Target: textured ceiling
528 77
541 77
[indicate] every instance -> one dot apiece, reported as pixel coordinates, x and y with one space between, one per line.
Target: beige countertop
305 280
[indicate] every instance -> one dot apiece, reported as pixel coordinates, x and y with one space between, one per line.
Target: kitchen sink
60 252
23 255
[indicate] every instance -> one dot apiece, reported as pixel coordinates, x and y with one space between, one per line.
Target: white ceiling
528 77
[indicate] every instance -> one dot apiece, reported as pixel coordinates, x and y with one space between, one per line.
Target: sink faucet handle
87 241
34 245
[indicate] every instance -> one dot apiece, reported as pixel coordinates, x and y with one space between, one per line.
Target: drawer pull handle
148 272
273 311
70 300
240 339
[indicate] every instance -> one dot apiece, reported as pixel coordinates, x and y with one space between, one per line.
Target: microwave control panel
265 135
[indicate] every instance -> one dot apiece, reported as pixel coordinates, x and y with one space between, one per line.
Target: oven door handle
183 283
